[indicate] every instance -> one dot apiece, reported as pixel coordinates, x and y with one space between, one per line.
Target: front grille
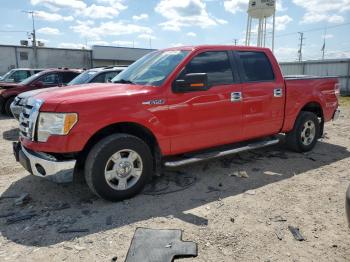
28 117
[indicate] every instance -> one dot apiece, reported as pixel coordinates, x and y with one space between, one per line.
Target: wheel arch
130 128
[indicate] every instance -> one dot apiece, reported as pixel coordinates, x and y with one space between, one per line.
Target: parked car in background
95 75
43 79
170 108
18 75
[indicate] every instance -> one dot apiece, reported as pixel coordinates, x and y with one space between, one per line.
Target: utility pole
323 49
235 40
300 51
35 53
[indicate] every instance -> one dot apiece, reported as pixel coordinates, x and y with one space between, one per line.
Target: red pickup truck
170 108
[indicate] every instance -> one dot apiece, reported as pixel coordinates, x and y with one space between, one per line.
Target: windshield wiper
123 81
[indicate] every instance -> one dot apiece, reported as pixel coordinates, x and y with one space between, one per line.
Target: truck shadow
11 135
73 208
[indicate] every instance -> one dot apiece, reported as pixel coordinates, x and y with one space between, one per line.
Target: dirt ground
231 218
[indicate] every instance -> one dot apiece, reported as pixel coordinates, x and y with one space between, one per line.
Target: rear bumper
347 205
44 165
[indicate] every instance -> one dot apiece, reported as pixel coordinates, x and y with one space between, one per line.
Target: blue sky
164 23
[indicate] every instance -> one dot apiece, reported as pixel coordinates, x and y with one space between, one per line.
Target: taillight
337 90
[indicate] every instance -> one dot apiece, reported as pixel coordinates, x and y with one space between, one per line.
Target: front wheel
118 167
305 133
8 106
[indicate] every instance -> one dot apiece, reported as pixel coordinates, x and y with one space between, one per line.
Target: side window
100 78
256 66
111 75
215 64
50 79
20 75
68 76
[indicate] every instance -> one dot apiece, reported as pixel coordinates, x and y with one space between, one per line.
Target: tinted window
20 75
256 66
68 76
215 64
100 78
50 79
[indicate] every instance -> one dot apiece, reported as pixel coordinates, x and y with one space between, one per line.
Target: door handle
236 96
278 92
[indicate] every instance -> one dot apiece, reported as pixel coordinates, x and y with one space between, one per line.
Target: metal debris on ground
170 182
58 207
279 234
240 174
296 233
159 245
22 199
9 214
20 218
72 230
278 219
270 173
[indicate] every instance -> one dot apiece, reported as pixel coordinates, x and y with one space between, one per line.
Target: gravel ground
236 209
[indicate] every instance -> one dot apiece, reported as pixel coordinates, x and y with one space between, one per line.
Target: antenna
300 51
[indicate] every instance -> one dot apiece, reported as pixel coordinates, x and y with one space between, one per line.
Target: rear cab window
255 66
216 64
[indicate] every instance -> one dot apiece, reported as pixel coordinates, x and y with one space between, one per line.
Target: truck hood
5 85
27 94
90 92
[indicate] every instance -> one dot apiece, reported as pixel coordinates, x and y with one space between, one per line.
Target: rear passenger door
263 95
201 119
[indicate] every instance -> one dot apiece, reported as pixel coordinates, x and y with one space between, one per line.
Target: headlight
55 124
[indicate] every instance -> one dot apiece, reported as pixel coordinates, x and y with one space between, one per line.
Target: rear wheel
305 133
118 167
8 106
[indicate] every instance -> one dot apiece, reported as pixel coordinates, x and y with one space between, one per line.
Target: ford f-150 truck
170 108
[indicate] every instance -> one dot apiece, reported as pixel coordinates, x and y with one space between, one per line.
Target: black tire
7 106
100 154
294 138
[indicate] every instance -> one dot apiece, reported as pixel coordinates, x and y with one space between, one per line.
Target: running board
217 154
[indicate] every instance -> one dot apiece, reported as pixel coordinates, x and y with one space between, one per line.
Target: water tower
260 11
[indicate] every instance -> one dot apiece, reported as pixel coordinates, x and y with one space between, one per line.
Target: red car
43 79
170 108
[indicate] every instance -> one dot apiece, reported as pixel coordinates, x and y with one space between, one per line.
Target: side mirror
191 82
38 84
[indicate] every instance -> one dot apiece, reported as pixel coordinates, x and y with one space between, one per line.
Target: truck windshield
83 78
152 69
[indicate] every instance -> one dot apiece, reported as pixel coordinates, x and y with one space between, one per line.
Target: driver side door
206 118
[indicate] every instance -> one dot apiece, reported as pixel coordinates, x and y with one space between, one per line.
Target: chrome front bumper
44 165
16 110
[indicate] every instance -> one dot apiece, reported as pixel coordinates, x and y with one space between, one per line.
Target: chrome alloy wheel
123 169
308 133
